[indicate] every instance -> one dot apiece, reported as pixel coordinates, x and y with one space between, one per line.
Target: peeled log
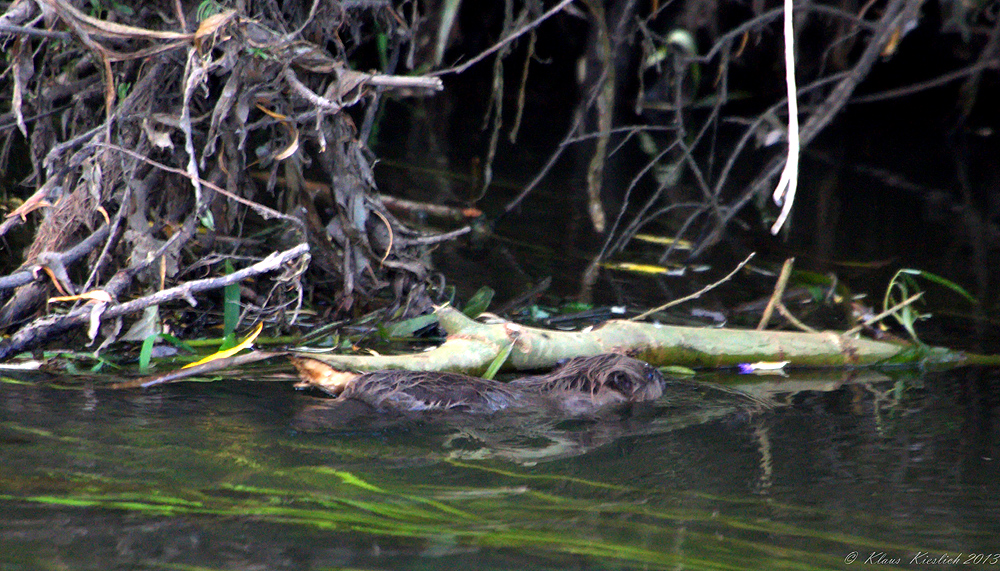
471 346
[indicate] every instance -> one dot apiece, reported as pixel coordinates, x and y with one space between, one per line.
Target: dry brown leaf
212 24
96 311
347 82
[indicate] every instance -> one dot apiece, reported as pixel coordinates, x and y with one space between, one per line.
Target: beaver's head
608 378
635 380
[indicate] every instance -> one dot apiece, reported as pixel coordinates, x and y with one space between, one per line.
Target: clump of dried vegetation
170 138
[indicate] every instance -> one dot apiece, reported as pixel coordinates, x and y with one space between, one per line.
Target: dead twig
779 291
26 31
697 293
264 211
510 38
225 364
437 210
884 314
938 81
434 238
792 319
308 94
97 27
429 83
359 79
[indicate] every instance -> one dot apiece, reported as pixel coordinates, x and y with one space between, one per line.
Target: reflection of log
471 347
771 388
527 437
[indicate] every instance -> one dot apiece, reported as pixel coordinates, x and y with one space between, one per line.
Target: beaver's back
420 390
581 385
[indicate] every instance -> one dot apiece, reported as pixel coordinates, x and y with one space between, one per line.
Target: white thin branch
784 194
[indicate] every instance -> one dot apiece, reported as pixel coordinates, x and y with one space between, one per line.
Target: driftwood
472 346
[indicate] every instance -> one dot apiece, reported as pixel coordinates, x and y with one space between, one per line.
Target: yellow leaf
654 239
246 343
272 114
645 268
98 295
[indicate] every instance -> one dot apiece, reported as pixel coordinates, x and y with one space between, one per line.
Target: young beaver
581 385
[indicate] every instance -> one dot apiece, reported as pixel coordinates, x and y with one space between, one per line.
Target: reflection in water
532 434
255 475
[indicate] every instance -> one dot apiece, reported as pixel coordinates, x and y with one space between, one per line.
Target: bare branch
46 328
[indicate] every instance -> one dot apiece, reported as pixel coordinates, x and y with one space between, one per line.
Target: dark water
253 475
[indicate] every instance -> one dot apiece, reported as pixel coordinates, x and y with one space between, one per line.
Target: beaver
579 386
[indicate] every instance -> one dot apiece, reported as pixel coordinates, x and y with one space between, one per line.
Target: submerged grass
368 517
625 531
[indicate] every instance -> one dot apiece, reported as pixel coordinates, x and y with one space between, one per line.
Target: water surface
254 475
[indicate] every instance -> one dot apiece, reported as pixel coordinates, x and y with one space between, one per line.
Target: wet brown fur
581 385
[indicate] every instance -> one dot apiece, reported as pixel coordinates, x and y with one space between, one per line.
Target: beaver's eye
620 382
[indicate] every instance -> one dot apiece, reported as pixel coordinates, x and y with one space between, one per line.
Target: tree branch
44 329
